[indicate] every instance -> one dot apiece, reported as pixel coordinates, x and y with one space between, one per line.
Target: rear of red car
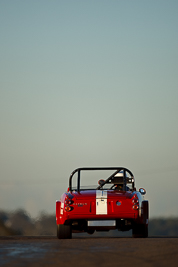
101 210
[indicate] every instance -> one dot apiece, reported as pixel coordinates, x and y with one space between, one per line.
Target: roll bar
116 169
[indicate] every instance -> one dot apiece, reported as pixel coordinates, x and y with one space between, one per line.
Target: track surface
90 251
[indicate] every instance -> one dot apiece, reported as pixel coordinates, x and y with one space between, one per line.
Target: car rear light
68 202
135 201
135 207
68 208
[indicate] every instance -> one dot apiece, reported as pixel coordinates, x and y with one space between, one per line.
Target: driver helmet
120 186
120 174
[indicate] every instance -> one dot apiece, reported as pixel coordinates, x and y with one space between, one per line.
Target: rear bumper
75 217
81 225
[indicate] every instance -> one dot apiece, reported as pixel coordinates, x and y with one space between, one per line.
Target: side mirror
142 191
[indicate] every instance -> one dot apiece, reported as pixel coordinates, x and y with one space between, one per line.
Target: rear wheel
64 231
140 230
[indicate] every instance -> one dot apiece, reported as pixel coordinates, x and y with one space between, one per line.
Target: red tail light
68 208
68 202
135 201
135 207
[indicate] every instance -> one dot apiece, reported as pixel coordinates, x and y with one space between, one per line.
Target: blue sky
87 83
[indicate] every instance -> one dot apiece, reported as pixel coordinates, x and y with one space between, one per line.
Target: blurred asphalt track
82 251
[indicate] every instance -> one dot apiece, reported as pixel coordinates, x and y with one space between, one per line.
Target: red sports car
109 200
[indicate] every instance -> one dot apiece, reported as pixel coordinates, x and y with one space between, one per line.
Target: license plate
102 223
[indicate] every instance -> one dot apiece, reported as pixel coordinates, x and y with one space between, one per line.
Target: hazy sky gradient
87 83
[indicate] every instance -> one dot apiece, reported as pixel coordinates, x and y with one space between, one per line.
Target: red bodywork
126 208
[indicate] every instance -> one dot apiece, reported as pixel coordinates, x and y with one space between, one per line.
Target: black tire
140 231
64 231
145 211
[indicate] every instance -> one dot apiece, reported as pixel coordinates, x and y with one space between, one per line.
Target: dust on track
88 251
